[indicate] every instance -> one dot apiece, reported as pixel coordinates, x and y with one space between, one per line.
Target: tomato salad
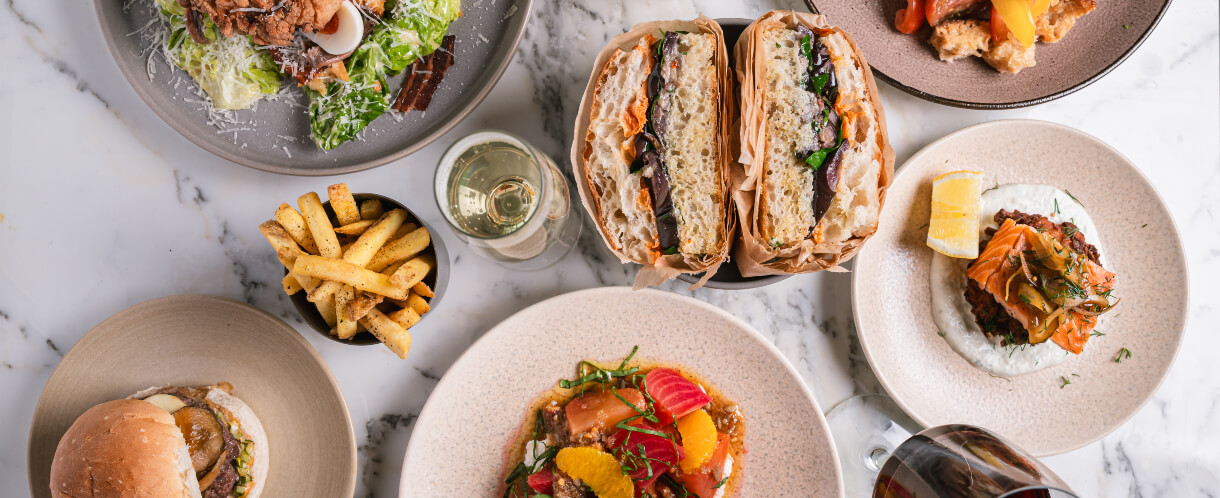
630 431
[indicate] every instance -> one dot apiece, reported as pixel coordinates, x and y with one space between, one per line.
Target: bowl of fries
360 268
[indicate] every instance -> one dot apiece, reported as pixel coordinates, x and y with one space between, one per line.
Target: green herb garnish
1065 382
1123 354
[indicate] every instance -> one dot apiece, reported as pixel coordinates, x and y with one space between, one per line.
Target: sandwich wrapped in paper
815 158
650 152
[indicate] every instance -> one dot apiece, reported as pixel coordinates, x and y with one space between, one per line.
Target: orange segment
597 469
698 439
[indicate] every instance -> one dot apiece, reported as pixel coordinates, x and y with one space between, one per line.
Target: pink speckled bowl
1036 411
458 445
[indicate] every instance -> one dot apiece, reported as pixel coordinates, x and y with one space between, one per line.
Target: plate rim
751 333
519 25
1177 237
966 104
180 299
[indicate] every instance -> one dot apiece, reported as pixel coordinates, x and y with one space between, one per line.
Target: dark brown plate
1097 44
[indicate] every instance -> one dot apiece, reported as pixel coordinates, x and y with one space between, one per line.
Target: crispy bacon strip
425 77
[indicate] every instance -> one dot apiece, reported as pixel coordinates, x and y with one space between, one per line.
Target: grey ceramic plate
203 340
1098 43
275 136
1037 411
458 447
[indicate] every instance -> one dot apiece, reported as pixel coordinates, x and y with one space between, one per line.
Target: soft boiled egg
348 31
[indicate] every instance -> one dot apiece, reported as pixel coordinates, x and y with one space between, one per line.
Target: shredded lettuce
410 29
232 71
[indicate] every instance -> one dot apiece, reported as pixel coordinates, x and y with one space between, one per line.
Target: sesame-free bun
123 448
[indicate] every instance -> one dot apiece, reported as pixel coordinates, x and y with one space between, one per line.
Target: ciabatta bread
774 189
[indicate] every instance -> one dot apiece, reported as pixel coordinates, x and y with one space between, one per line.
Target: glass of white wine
507 200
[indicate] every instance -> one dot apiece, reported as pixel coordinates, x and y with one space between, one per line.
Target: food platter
192 340
788 443
890 292
275 136
1097 44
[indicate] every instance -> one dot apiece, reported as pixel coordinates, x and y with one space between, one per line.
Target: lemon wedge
953 229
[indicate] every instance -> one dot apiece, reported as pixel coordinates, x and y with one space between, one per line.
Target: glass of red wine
885 454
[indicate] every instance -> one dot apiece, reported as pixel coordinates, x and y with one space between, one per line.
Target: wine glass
507 200
885 454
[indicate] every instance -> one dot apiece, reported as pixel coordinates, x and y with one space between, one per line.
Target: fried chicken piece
1010 56
1052 25
956 39
268 22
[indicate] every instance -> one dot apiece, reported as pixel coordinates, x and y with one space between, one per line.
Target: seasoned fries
345 327
370 209
346 273
389 332
319 225
356 228
400 249
373 283
292 221
343 203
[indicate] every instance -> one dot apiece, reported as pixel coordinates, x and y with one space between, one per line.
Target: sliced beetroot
645 451
675 395
542 481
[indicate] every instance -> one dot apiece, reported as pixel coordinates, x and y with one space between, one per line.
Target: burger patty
992 318
227 477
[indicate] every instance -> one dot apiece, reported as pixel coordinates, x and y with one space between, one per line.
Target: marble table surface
103 206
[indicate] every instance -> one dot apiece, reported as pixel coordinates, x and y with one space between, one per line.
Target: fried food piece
1052 25
268 22
1010 56
954 40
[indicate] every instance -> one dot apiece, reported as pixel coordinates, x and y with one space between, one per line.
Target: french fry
343 203
413 272
423 290
361 304
417 303
283 243
327 309
356 228
292 221
347 273
363 249
389 332
371 209
291 285
287 251
403 230
405 317
346 327
399 249
319 225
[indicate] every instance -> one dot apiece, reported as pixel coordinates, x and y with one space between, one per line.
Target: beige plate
934 385
459 442
201 340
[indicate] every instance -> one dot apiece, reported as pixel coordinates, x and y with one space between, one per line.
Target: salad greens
232 71
410 29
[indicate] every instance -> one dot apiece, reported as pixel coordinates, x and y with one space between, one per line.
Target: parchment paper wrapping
665 267
756 256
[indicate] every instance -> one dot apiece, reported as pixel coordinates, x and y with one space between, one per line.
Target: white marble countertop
103 206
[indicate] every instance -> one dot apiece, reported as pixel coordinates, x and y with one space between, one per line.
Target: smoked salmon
1044 276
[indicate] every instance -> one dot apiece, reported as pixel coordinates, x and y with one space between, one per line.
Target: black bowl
438 280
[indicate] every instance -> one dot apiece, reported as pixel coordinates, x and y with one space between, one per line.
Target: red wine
960 461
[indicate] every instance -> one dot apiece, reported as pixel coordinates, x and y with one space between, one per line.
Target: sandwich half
815 150
654 155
